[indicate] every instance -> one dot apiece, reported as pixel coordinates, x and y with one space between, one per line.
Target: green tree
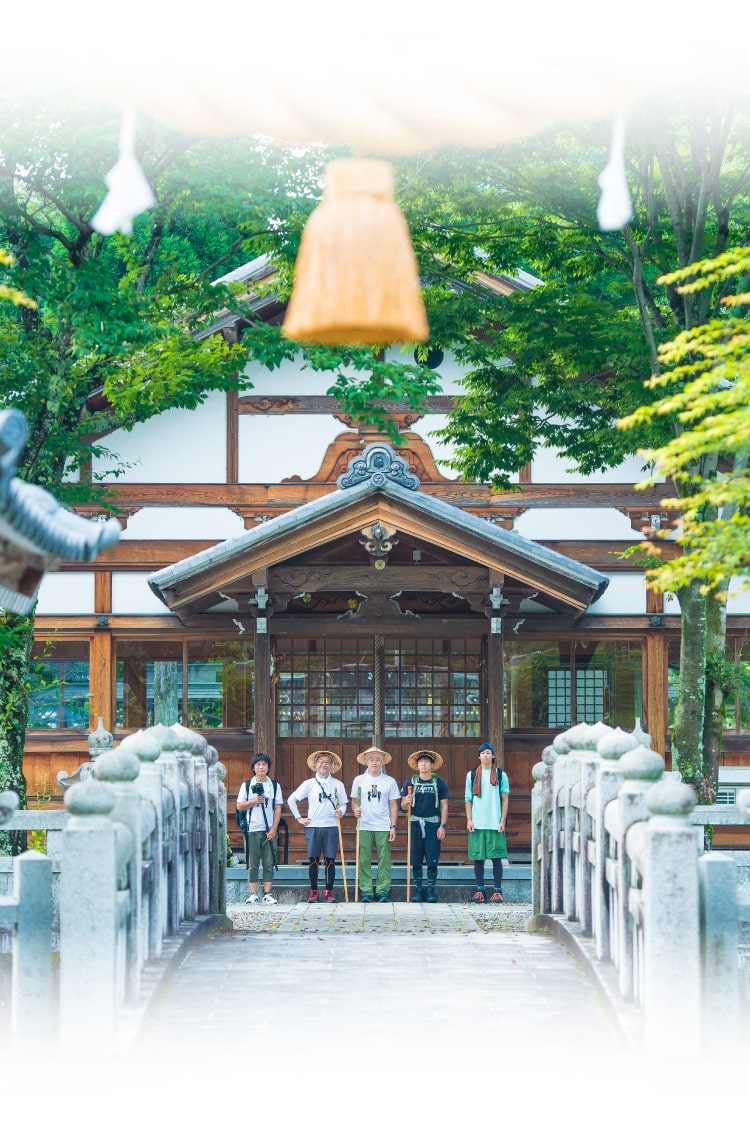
705 386
581 348
110 336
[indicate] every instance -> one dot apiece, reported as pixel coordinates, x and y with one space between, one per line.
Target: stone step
454 883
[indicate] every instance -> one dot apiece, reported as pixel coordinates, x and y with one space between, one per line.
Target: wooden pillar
655 705
494 683
262 697
101 679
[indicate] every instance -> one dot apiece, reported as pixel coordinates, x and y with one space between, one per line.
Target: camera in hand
258 789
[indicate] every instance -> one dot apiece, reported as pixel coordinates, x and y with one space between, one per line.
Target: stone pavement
302 987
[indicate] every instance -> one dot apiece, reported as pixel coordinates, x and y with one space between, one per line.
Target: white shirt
320 809
377 793
255 813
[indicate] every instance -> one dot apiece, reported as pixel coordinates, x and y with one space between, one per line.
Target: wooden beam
287 495
328 405
393 578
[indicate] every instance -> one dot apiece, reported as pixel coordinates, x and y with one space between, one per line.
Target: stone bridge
127 957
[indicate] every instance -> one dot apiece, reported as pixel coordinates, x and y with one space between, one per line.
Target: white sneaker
253 899
269 900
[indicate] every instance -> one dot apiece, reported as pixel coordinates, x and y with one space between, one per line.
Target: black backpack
241 816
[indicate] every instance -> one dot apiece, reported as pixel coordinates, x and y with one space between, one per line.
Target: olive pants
379 841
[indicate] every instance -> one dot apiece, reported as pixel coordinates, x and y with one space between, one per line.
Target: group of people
375 799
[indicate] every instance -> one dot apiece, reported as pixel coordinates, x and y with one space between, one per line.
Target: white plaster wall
66 593
289 379
179 523
131 595
176 446
551 465
738 601
573 523
439 448
450 372
626 595
276 447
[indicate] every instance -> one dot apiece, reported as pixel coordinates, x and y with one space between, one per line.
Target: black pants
425 846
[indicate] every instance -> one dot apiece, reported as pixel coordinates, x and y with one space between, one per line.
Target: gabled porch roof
378 487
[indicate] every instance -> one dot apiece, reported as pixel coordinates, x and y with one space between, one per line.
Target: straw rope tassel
356 276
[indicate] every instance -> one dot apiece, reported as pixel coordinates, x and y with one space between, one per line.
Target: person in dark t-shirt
425 796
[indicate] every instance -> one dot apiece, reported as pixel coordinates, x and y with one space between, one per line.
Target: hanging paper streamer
129 191
615 207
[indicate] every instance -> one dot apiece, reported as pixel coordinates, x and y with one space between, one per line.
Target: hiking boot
381 897
416 894
269 900
328 896
366 898
479 896
431 895
314 896
497 896
253 900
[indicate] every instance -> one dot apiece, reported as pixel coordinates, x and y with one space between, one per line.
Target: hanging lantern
356 278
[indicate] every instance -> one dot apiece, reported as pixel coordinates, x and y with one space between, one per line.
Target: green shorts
487 845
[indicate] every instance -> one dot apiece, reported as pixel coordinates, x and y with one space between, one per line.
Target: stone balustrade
617 860
139 852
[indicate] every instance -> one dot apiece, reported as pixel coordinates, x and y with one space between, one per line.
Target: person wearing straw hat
425 796
326 803
486 798
374 797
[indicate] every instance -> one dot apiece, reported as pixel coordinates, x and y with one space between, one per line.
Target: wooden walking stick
356 856
341 846
408 847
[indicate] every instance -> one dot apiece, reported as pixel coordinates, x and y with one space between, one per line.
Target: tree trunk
687 737
166 693
18 635
713 726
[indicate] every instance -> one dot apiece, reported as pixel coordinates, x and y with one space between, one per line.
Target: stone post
120 768
671 950
608 783
640 769
584 740
168 767
559 786
221 835
537 861
88 920
717 878
202 826
148 782
189 819
31 1002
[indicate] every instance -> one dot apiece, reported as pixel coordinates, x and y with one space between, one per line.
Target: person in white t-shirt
326 804
375 797
260 799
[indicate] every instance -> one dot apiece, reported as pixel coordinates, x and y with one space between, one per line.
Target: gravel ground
266 919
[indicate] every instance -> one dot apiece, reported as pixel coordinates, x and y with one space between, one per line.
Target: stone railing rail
140 851
617 861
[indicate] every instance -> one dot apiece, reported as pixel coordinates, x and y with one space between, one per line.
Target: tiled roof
36 531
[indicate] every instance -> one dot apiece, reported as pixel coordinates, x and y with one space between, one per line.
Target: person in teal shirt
487 794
